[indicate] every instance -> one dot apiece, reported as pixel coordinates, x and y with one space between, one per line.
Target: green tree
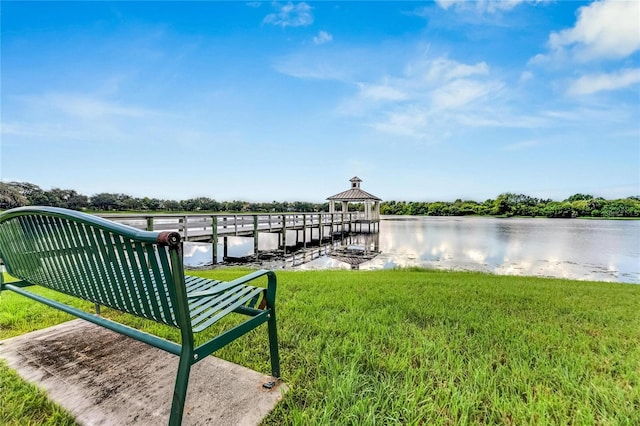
105 201
595 206
579 197
468 208
130 203
11 197
504 204
417 208
438 208
302 206
172 205
77 201
66 198
581 207
624 207
42 198
388 207
557 209
25 188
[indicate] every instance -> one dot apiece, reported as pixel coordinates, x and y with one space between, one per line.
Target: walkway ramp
103 378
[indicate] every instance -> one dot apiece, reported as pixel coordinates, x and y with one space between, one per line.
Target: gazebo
355 194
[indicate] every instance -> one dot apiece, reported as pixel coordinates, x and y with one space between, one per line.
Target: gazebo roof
354 194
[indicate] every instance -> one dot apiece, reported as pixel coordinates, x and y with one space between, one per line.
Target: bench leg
273 345
180 389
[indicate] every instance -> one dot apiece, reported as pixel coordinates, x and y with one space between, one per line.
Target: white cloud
427 98
316 68
83 106
325 64
494 117
63 118
430 93
606 29
539 59
290 15
490 6
439 83
322 37
440 69
446 4
590 84
460 93
582 115
526 76
410 122
382 92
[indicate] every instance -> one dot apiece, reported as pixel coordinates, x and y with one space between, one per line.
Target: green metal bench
133 271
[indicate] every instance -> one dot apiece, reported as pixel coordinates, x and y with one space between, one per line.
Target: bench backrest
92 258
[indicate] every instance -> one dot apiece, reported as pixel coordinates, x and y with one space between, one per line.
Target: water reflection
581 249
357 250
578 249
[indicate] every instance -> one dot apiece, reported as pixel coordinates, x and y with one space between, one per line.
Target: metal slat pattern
90 262
206 310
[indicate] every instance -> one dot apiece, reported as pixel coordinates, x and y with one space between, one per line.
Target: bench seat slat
197 306
194 284
214 314
204 308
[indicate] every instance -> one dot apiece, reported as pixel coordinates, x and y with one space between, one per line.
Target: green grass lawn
418 347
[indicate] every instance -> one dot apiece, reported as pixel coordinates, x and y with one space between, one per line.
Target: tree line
16 194
509 204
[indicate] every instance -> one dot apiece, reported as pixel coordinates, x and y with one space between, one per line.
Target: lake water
603 250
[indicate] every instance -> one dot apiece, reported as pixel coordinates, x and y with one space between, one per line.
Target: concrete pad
104 378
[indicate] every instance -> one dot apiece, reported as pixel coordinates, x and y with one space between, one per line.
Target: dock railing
210 227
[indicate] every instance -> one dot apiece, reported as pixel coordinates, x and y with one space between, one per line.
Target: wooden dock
309 227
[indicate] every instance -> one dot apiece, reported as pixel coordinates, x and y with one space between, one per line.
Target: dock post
149 223
304 230
331 229
255 235
284 233
214 239
225 248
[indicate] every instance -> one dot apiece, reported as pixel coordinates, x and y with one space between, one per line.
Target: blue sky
286 101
